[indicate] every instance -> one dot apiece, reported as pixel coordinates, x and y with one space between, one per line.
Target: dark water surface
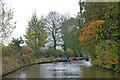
81 69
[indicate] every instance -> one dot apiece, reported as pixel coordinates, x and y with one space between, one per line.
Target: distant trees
53 24
36 34
7 24
70 32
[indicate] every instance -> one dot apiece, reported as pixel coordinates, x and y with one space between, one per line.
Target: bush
107 55
61 53
27 50
8 50
52 52
70 52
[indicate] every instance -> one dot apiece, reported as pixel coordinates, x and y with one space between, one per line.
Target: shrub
8 50
27 50
107 55
61 53
69 52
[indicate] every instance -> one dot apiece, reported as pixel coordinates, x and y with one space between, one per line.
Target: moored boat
67 60
62 60
75 59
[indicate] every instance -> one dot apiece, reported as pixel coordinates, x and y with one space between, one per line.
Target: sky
23 10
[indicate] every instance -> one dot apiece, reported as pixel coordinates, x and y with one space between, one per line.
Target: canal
81 69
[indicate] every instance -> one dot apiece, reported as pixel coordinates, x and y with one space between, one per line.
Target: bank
9 66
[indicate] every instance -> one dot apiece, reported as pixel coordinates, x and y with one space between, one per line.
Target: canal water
81 69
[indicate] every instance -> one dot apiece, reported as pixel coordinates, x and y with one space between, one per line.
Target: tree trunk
54 42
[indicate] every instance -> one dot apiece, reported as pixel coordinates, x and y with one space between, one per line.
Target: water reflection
81 69
22 75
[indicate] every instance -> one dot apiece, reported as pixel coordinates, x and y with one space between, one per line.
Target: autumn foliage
28 50
90 33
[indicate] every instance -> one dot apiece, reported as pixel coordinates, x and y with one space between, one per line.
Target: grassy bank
14 58
11 64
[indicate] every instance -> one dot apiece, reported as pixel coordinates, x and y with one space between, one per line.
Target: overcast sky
23 10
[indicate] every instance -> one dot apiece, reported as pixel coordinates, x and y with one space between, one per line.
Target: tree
70 31
99 40
53 24
80 15
91 34
6 22
36 34
17 42
107 11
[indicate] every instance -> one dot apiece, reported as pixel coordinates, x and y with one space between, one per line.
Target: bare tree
53 24
7 24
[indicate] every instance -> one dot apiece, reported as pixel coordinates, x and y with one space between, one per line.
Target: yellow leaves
106 15
96 24
89 34
111 62
36 34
